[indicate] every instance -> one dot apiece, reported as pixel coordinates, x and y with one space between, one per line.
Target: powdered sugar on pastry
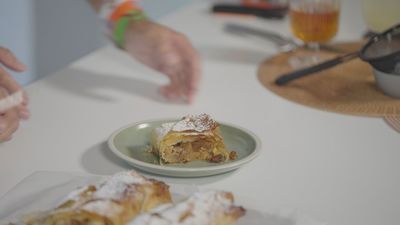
103 195
199 123
202 208
195 123
189 139
117 184
76 194
112 188
116 200
106 208
162 131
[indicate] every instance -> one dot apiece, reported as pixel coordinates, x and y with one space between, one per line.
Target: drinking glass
313 22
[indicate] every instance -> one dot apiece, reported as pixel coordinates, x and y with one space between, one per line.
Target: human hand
9 117
8 59
168 52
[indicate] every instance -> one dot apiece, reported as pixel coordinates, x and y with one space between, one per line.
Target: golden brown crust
192 138
115 202
121 199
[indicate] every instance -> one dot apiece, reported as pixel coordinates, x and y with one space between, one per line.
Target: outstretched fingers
8 59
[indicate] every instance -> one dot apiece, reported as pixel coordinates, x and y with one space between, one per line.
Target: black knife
277 12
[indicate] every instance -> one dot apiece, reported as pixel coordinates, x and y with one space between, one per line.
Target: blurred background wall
17 33
47 35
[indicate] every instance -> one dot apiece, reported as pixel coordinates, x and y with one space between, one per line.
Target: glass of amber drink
314 22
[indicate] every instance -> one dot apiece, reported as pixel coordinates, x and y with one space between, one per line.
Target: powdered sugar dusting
199 209
116 185
102 199
163 130
111 189
199 123
103 207
75 195
195 123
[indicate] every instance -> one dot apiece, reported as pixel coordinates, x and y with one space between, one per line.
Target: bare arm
157 47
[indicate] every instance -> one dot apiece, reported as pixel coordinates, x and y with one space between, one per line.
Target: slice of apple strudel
191 138
114 202
202 208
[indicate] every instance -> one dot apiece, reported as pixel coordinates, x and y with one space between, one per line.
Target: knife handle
316 68
273 12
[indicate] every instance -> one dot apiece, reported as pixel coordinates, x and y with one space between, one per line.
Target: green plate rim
147 166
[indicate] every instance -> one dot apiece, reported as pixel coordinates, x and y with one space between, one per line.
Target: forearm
155 45
112 10
118 16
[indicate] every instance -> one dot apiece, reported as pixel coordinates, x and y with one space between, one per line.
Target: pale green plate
131 143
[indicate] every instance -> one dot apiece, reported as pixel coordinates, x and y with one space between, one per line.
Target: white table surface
337 168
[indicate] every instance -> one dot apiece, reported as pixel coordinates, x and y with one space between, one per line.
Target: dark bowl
387 65
383 50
